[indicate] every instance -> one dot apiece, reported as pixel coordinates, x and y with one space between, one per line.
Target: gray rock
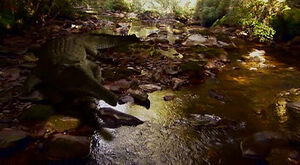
62 146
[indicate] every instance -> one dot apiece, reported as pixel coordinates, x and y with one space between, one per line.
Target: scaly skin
64 66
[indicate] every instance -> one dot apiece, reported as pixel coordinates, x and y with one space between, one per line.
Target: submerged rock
206 121
114 119
12 140
260 144
218 95
62 146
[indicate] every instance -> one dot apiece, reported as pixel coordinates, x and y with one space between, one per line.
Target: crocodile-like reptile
64 66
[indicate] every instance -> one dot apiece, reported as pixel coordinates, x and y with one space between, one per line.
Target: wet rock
260 144
126 99
150 88
114 119
211 121
294 107
140 97
12 140
218 95
177 83
61 123
169 97
62 146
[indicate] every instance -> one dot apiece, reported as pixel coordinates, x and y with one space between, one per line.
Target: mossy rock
37 112
58 123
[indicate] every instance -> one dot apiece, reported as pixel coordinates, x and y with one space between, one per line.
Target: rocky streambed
205 96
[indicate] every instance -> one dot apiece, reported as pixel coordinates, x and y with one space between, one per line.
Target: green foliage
251 15
115 5
176 7
262 31
208 11
287 24
15 14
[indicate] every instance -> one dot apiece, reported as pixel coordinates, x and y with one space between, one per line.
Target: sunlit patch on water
256 60
160 111
243 80
281 110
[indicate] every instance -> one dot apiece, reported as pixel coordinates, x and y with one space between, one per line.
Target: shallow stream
178 132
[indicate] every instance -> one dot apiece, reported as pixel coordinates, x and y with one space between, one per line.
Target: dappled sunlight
281 110
242 80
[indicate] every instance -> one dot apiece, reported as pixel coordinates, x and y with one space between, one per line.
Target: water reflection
160 111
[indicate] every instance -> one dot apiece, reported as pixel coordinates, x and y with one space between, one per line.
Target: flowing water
180 131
